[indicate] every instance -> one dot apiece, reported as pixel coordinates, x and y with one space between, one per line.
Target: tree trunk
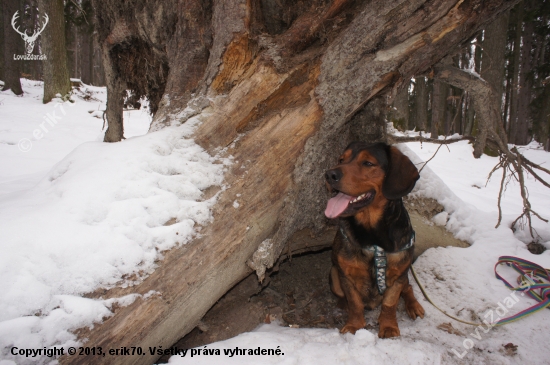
523 130
514 92
477 53
543 125
86 60
71 42
399 114
56 70
470 115
292 99
439 108
116 89
421 104
98 72
494 52
11 46
36 66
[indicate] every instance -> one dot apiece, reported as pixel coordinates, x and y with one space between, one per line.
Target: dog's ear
401 175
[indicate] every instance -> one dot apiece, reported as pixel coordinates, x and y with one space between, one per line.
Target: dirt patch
536 248
296 293
428 234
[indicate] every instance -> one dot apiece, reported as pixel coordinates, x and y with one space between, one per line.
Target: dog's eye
367 163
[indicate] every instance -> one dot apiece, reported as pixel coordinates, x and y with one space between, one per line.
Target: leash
432 303
532 278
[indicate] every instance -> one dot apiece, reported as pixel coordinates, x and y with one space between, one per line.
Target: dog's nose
333 176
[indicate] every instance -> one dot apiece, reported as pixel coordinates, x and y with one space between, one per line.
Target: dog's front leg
387 319
355 308
352 282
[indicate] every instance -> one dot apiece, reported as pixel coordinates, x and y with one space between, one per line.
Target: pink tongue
337 205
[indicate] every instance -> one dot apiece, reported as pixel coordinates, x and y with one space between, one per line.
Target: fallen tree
283 86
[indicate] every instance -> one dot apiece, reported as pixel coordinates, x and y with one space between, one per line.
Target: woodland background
512 54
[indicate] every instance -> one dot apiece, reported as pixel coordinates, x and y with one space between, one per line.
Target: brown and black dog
370 181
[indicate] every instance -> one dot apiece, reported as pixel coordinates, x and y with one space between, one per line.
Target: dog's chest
386 267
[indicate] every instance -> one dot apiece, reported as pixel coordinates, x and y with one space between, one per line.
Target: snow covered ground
77 214
460 280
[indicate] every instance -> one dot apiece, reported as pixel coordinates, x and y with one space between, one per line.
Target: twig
528 168
425 163
450 129
396 139
500 195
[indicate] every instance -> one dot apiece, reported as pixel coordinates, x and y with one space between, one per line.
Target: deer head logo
29 40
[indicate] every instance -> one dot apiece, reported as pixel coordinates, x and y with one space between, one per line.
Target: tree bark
98 72
11 46
55 68
543 125
523 121
439 108
284 104
470 115
514 92
399 113
494 52
421 103
86 59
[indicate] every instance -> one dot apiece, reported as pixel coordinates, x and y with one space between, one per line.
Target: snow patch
98 218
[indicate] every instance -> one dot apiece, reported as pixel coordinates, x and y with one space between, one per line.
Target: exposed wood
284 120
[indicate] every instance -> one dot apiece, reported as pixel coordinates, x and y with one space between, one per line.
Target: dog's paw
414 309
350 328
388 332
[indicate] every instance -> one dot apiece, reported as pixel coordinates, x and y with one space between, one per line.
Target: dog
373 248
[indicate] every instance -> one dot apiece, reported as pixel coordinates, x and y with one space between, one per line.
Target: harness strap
381 260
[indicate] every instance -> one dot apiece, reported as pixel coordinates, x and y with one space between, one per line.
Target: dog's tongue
337 205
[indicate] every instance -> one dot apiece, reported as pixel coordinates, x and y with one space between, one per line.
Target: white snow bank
102 214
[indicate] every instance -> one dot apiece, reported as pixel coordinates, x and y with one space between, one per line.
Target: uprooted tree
284 86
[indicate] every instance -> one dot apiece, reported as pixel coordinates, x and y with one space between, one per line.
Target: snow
21 168
314 346
460 280
77 214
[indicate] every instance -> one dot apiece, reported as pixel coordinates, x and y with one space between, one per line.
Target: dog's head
365 173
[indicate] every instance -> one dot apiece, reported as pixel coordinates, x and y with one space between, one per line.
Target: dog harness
381 261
